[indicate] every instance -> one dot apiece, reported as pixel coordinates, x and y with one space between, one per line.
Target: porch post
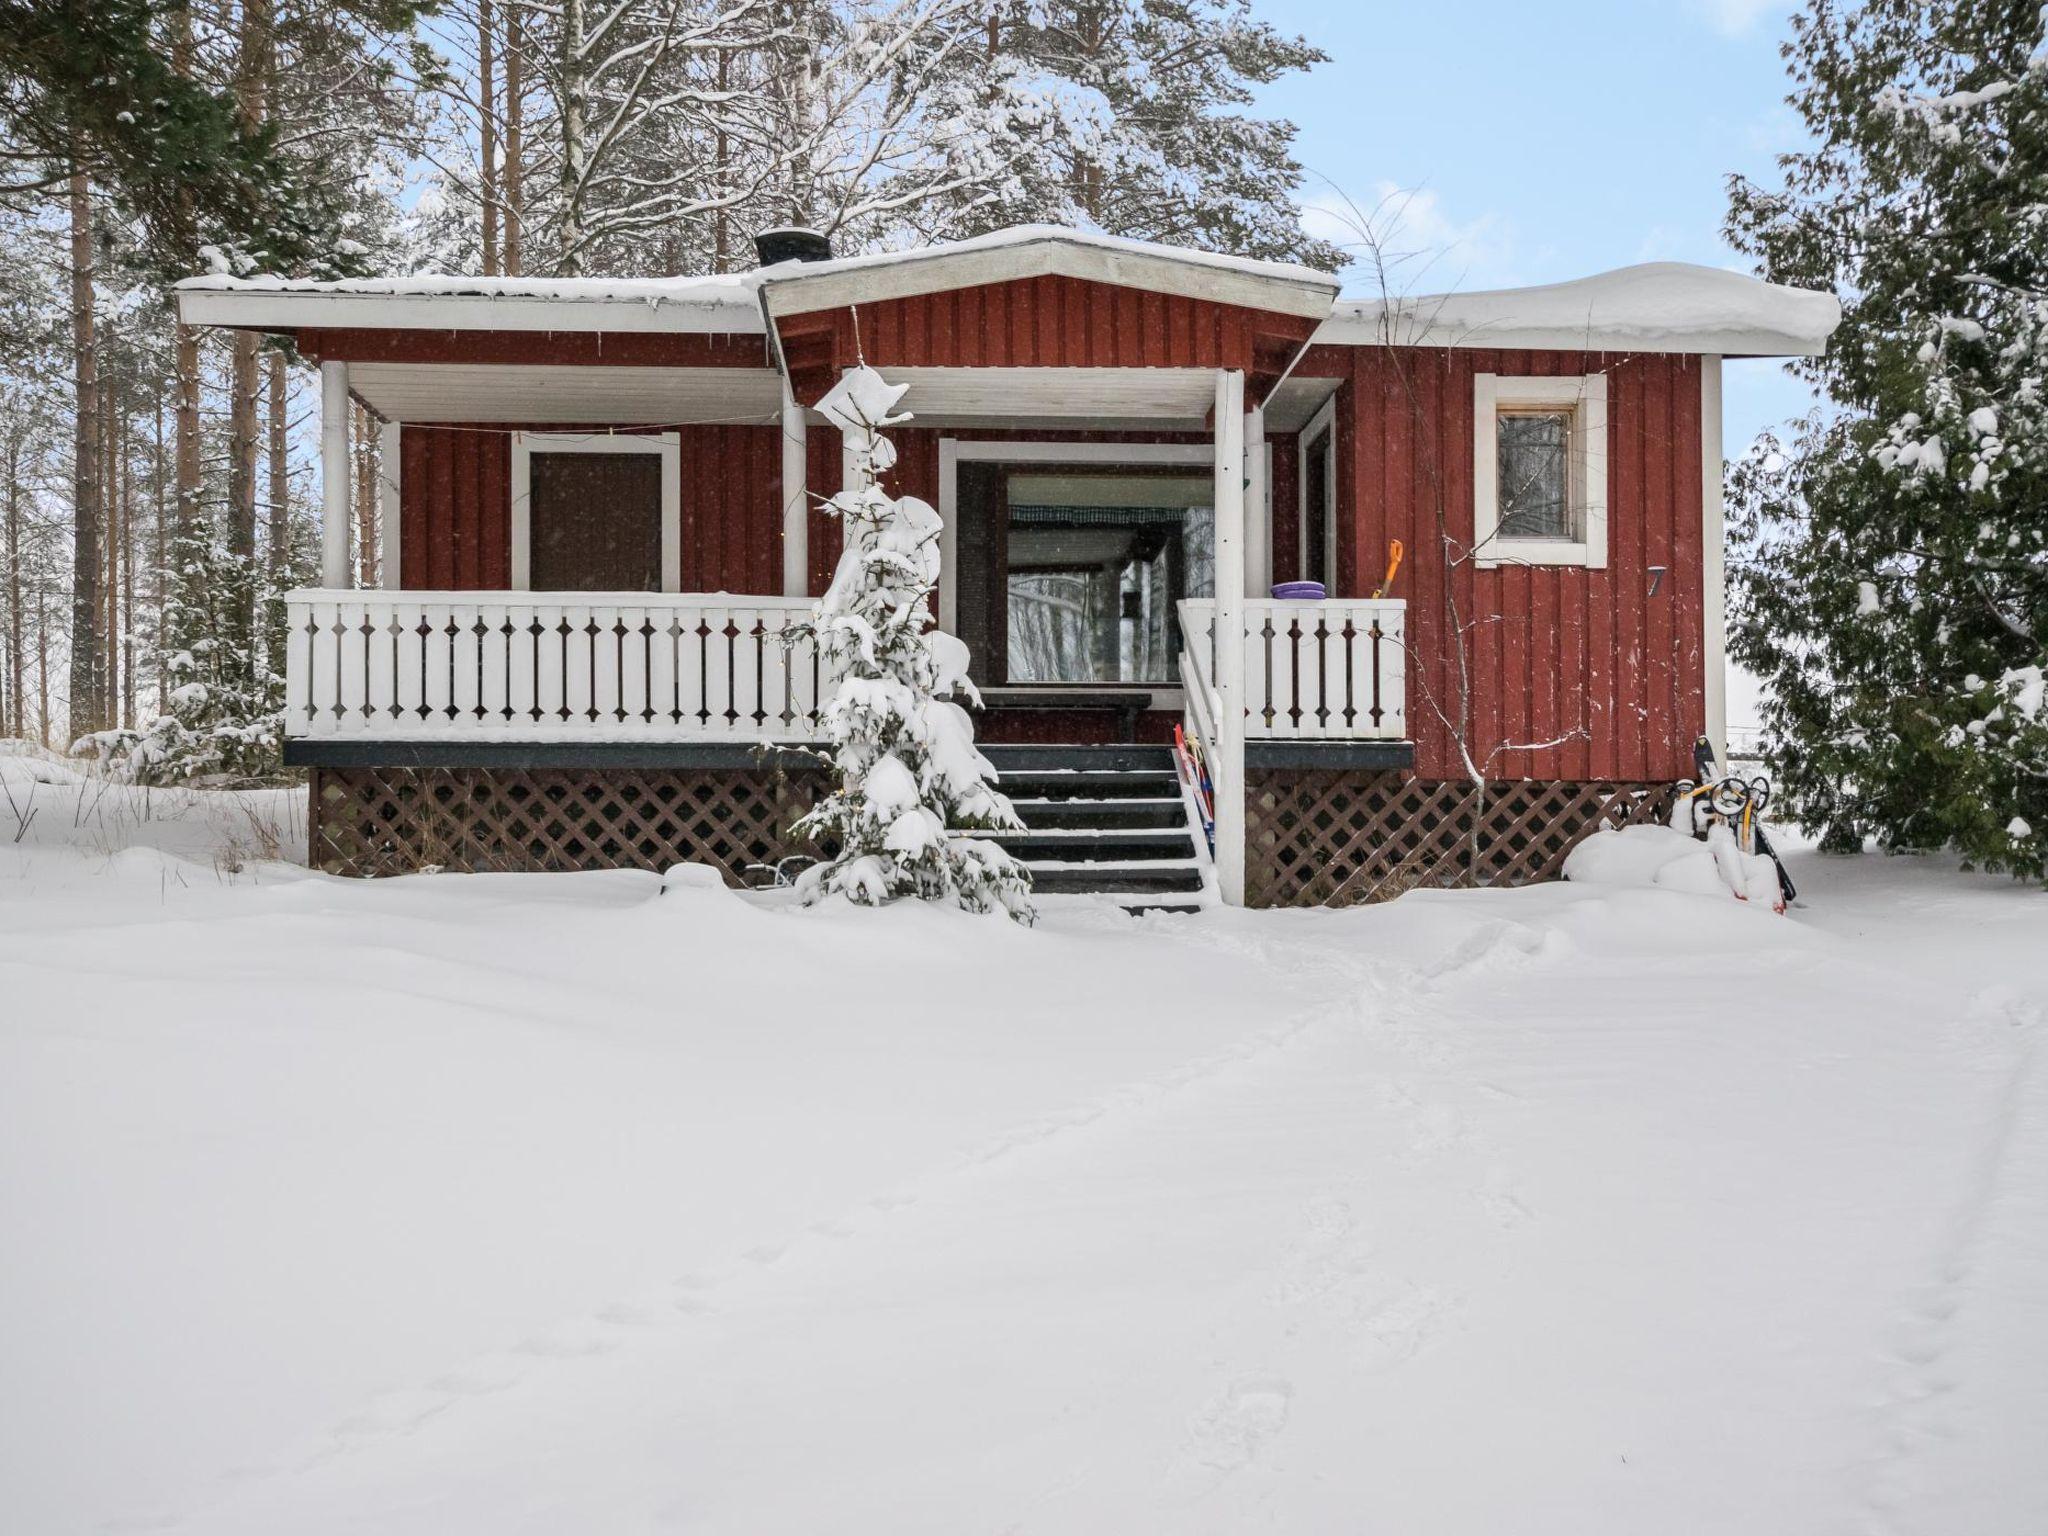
796 522
1230 613
336 507
1258 504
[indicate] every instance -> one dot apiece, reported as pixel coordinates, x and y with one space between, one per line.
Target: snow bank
1671 860
1667 305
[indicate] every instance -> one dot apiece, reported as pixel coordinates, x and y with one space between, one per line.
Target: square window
1535 482
1539 470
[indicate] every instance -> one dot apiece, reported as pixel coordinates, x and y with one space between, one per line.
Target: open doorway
1068 575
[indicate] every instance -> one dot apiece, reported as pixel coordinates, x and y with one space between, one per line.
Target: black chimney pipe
791 243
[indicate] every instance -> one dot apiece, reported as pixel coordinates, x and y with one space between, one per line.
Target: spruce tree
910 783
1891 571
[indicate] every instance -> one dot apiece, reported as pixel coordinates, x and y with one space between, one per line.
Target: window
1540 470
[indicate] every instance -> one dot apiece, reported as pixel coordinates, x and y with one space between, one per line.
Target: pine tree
910 782
1891 583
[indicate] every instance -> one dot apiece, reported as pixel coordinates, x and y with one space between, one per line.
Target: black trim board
547 754
738 755
1309 753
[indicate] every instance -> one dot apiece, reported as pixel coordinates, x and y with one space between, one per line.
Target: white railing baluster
576 662
549 647
466 662
298 670
604 665
495 653
352 705
323 695
661 669
1393 659
718 671
632 625
1286 628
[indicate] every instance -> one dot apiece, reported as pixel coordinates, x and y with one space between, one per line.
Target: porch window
1540 470
1094 565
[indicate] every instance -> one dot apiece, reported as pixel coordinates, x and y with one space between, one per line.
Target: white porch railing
1333 670
538 665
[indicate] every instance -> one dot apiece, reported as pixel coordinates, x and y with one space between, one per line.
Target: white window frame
1585 395
1324 420
668 444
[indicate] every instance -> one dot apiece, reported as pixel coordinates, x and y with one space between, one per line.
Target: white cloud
1734 18
1421 245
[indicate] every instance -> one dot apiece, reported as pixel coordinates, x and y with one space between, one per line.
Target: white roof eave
283 309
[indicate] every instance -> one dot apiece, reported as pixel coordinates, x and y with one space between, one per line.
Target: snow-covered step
1095 845
1124 814
1120 878
1092 784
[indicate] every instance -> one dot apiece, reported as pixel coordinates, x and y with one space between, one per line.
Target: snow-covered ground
554 1205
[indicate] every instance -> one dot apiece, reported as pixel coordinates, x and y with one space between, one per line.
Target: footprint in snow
1235 1425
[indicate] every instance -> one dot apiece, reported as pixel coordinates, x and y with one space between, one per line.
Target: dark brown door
595 521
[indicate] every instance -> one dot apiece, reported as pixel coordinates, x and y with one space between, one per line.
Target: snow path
514 1205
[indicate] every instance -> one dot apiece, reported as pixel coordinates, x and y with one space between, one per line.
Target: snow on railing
1332 670
537 665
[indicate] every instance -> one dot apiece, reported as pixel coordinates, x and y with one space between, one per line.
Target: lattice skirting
1330 838
389 821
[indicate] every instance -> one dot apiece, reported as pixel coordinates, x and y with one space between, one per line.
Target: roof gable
1044 250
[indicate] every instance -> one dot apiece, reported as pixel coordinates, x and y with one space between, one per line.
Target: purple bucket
1299 591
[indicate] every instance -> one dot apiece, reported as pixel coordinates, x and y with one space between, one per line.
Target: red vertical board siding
1283 454
822 449
1558 651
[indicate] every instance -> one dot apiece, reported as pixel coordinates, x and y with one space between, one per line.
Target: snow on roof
1658 306
1669 306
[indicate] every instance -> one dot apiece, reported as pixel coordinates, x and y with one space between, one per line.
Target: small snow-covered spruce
911 784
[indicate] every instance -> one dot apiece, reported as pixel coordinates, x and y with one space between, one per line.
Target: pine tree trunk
110 548
128 627
180 580
238 638
574 107
16 723
721 220
87 642
42 668
513 178
487 131
159 560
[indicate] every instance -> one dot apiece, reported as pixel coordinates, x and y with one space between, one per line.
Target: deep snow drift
552 1204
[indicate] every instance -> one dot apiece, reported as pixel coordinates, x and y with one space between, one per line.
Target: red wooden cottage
599 502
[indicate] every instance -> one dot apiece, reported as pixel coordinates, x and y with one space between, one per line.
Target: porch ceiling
1294 404
566 395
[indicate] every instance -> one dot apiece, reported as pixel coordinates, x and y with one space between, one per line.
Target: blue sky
1531 143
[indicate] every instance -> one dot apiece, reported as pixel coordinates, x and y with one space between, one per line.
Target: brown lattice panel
1332 838
389 821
